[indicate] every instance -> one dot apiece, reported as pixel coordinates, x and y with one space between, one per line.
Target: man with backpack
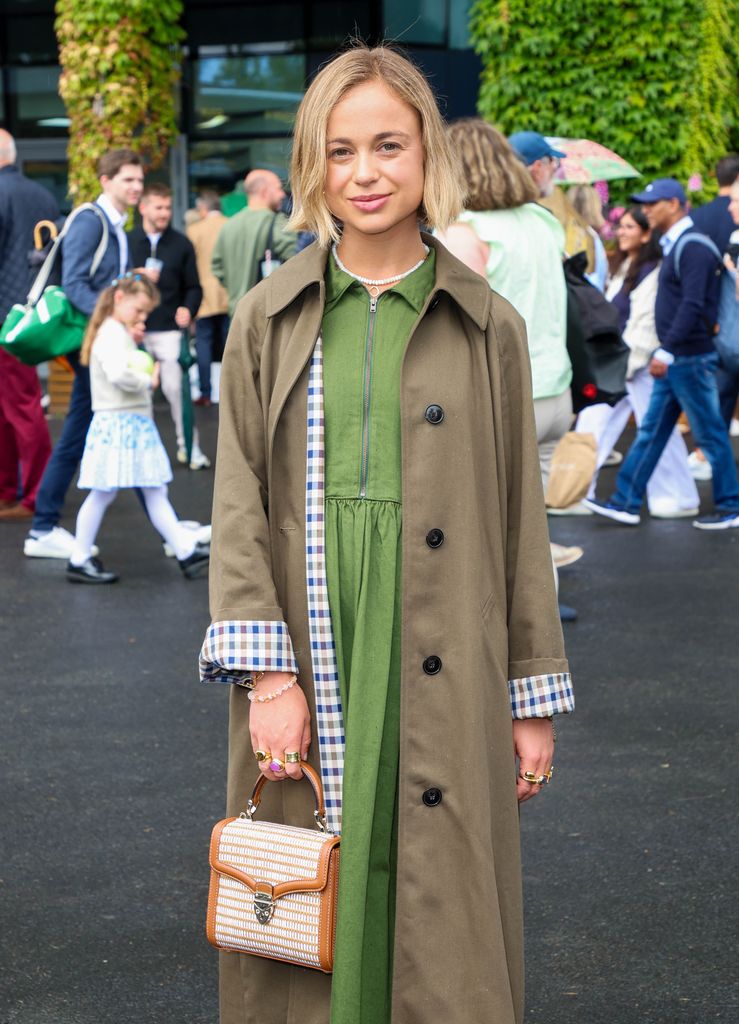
88 268
684 366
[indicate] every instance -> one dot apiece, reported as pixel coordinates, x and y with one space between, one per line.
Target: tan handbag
273 888
572 469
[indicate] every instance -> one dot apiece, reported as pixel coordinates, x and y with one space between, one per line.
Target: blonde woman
587 202
517 246
379 554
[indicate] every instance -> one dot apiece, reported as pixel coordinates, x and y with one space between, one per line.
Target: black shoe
90 571
192 565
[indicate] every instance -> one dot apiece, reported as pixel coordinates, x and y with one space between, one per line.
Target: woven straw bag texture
294 870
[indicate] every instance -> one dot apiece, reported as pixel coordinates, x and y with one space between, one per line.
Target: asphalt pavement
112 761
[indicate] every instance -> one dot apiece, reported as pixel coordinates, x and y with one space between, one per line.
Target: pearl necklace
375 284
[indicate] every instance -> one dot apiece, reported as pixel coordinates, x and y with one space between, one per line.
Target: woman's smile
369 204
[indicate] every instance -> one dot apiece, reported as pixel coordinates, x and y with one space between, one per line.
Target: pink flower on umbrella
695 183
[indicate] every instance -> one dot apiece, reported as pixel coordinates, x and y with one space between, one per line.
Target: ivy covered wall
120 66
655 80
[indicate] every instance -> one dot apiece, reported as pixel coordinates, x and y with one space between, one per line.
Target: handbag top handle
312 776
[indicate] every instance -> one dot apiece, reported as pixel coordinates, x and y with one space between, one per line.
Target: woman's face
630 236
375 173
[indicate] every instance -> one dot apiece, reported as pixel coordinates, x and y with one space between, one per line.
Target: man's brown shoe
16 514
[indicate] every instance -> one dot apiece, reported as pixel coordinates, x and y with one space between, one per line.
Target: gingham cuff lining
232 650
540 696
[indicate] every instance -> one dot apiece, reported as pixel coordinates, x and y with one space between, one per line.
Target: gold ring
292 757
276 765
534 779
262 755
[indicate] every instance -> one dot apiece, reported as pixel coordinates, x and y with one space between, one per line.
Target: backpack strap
693 236
48 265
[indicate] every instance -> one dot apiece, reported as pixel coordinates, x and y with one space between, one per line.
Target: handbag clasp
264 907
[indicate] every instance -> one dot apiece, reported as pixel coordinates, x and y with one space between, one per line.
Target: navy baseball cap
661 188
531 146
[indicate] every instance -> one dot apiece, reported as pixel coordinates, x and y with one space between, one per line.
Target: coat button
435 538
432 797
434 414
432 665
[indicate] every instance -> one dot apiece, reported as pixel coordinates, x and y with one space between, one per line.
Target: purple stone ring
275 765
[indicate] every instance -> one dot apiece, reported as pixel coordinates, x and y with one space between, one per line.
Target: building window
249 95
415 21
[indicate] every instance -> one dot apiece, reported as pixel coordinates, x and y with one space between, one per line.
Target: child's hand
155 377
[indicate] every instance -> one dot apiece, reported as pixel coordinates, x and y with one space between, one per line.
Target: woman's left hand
533 745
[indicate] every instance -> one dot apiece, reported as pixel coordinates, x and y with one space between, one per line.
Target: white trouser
553 419
159 508
671 479
164 346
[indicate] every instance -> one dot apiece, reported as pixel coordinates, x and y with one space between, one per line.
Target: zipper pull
373 303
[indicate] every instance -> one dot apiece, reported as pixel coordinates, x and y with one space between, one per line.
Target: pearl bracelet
253 696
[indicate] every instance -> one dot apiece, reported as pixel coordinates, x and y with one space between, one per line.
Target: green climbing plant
654 80
120 64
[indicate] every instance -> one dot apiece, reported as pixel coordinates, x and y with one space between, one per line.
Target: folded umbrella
186 360
585 162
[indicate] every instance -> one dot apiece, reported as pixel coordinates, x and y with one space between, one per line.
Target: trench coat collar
466 288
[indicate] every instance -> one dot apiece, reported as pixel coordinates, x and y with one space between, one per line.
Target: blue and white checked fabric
329 715
540 696
232 650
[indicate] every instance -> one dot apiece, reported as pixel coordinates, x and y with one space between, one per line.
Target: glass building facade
244 71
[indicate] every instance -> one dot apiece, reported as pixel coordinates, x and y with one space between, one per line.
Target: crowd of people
329 456
516 229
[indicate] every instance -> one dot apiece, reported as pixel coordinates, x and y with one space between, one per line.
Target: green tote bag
48 325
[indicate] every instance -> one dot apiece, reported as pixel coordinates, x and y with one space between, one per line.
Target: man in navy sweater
121 180
684 366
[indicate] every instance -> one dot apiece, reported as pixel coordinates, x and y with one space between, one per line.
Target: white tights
159 508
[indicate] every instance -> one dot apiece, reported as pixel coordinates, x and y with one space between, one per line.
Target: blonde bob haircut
495 177
443 193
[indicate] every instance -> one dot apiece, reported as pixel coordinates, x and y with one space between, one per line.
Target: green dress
364 342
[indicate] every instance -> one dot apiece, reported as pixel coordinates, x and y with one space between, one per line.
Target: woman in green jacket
380 567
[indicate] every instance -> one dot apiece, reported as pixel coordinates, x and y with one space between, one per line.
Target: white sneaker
182 456
734 428
700 469
199 460
562 556
578 509
202 535
666 508
57 543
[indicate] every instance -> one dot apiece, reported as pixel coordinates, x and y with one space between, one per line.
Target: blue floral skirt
123 449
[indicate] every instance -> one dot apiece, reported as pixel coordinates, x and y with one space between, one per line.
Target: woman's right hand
281 725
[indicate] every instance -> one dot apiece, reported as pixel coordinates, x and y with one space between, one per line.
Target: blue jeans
208 330
67 453
690 385
728 392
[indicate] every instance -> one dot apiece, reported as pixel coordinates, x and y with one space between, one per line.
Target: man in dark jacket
24 435
169 257
714 218
684 366
121 180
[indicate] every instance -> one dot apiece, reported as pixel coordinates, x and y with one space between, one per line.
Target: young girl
379 531
123 448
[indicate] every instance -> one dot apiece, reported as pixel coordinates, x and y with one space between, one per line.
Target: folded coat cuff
541 696
233 649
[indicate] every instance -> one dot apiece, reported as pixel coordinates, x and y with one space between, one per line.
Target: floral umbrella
585 162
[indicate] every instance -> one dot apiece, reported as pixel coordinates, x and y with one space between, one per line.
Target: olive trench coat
481 605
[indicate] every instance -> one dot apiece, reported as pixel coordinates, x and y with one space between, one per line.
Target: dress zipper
374 299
